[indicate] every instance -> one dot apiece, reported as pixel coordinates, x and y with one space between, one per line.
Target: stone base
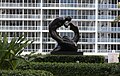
66 53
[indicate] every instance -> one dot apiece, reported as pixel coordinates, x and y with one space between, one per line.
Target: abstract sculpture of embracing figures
65 44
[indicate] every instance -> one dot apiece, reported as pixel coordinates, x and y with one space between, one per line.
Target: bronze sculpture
65 44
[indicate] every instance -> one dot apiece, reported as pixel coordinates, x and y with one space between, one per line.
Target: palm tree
10 52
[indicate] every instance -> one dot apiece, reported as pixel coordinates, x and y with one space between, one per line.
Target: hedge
71 58
24 73
76 69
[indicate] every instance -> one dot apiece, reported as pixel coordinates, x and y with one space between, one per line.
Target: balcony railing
108 51
109 29
32 5
45 39
84 5
86 50
104 6
87 40
11 27
108 39
31 27
16 27
73 16
104 50
106 17
20 16
87 28
31 38
50 4
20 5
80 28
32 16
69 5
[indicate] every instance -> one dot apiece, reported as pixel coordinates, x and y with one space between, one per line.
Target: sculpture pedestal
66 53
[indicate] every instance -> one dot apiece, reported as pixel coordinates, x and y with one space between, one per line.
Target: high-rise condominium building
94 18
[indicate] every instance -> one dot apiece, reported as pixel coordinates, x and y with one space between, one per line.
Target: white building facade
94 18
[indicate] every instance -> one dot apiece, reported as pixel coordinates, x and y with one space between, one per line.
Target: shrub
10 51
71 58
76 69
25 73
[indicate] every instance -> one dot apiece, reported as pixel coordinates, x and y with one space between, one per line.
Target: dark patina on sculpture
65 44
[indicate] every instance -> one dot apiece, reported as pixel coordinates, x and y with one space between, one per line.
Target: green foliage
32 56
76 69
71 58
25 73
10 51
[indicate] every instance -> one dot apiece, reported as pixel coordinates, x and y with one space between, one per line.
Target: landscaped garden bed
75 69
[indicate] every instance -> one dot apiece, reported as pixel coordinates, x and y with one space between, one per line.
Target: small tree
10 51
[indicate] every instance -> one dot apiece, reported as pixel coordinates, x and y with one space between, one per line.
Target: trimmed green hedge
71 58
76 69
25 73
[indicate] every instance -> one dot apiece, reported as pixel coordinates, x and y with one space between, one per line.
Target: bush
25 73
71 58
76 69
10 52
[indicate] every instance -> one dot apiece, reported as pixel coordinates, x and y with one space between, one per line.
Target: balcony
20 5
32 5
73 16
87 40
104 6
104 50
87 28
108 51
31 38
106 17
11 28
11 5
108 39
69 5
16 27
50 5
47 39
86 50
31 27
77 5
109 29
32 16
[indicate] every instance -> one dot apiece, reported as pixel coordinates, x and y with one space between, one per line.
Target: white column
23 14
96 25
41 29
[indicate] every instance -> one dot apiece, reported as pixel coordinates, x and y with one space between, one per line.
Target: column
96 26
